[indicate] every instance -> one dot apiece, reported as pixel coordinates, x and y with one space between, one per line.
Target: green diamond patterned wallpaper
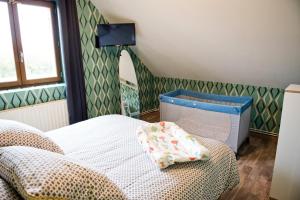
101 68
29 96
130 96
267 104
103 88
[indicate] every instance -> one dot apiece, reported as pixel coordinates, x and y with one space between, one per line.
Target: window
29 47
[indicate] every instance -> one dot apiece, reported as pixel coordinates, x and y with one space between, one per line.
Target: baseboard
264 132
149 111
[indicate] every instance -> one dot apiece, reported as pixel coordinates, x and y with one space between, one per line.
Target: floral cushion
38 174
14 133
7 192
167 143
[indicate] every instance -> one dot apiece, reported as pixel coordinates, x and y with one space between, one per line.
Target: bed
108 145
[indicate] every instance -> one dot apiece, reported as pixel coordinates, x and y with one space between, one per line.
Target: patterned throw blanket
166 143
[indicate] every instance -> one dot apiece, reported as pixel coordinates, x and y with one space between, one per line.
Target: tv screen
116 34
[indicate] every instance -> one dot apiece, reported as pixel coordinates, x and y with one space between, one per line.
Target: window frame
20 65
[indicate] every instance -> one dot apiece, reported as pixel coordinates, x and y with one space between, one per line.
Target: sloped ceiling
253 42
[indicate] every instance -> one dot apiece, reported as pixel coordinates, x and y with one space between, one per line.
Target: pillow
38 174
7 192
14 133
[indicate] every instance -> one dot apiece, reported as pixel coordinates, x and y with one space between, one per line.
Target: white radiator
44 116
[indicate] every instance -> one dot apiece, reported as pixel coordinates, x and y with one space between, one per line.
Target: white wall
286 176
240 41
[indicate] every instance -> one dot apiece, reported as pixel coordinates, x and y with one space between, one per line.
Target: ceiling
254 42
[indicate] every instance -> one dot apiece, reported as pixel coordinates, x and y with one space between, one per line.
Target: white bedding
109 145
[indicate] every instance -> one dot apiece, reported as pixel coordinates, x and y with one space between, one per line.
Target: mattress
109 145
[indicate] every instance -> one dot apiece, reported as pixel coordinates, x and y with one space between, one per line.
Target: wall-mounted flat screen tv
116 34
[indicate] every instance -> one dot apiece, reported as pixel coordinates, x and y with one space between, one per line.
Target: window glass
37 38
7 58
